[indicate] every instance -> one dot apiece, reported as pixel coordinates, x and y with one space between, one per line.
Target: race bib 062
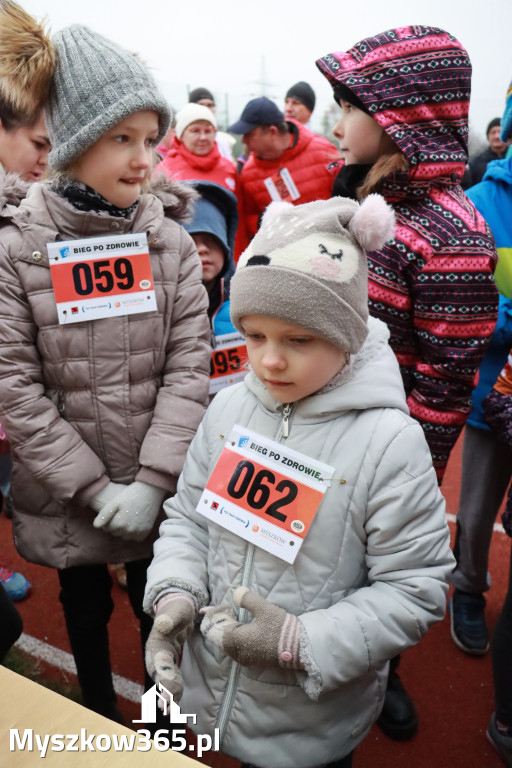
264 492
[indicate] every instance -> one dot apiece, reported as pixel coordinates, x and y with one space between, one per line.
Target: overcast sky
242 49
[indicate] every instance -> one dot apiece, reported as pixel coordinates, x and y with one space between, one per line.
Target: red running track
452 691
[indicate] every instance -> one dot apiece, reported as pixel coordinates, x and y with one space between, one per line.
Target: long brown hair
385 166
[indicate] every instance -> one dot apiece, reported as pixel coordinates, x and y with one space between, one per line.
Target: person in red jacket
194 154
287 162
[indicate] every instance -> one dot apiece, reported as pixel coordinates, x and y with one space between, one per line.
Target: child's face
119 163
211 254
361 138
199 137
291 361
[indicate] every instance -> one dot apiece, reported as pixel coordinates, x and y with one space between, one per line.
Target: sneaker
467 623
398 719
15 584
501 742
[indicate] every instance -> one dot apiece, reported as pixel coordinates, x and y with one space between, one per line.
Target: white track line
497 526
124 687
63 660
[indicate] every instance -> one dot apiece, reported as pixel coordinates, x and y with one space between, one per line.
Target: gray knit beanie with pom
307 265
96 85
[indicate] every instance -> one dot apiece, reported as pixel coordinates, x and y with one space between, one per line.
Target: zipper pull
286 415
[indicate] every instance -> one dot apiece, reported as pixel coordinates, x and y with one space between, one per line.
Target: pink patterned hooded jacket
433 284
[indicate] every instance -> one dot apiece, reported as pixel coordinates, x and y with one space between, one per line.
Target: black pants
87 602
345 762
501 652
11 625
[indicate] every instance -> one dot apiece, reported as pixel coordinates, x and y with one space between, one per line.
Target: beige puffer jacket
113 399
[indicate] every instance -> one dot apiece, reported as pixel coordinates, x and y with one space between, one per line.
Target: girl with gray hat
104 343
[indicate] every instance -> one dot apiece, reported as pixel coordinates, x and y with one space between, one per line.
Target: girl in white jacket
307 543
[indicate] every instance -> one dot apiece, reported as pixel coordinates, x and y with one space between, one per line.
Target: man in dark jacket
495 151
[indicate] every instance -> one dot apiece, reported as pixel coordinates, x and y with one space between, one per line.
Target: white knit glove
105 496
174 621
132 513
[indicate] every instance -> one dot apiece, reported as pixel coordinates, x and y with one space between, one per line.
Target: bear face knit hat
96 84
307 265
191 114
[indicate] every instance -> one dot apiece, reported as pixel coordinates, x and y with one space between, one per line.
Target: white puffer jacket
368 582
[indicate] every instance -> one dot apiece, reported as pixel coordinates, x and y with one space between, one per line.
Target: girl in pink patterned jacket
403 132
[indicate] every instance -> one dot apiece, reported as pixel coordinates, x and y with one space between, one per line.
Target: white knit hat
190 114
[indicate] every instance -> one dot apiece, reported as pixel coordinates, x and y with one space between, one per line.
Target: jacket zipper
286 416
234 672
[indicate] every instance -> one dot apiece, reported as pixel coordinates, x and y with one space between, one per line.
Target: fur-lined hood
177 199
12 189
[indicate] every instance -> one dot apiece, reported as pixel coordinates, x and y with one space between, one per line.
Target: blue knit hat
506 120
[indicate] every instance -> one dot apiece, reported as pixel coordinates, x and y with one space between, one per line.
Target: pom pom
373 224
274 209
164 624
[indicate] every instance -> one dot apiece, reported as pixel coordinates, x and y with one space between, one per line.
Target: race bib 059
101 277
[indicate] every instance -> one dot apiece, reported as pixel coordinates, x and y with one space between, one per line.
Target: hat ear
373 224
274 209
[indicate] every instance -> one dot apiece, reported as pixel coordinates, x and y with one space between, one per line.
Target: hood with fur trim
177 199
415 82
12 189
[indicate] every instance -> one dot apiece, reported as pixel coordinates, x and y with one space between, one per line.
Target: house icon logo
149 701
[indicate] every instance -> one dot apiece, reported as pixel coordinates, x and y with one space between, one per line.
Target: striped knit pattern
433 283
289 643
170 597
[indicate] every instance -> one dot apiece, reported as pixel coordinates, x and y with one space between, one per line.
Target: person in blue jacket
486 461
213 230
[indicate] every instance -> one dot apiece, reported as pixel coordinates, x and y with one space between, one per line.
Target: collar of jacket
45 216
299 144
375 361
201 162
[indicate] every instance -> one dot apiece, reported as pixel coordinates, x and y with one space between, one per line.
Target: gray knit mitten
270 640
132 514
175 615
105 496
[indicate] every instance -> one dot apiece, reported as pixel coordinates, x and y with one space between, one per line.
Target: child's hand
270 640
174 621
105 496
132 513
